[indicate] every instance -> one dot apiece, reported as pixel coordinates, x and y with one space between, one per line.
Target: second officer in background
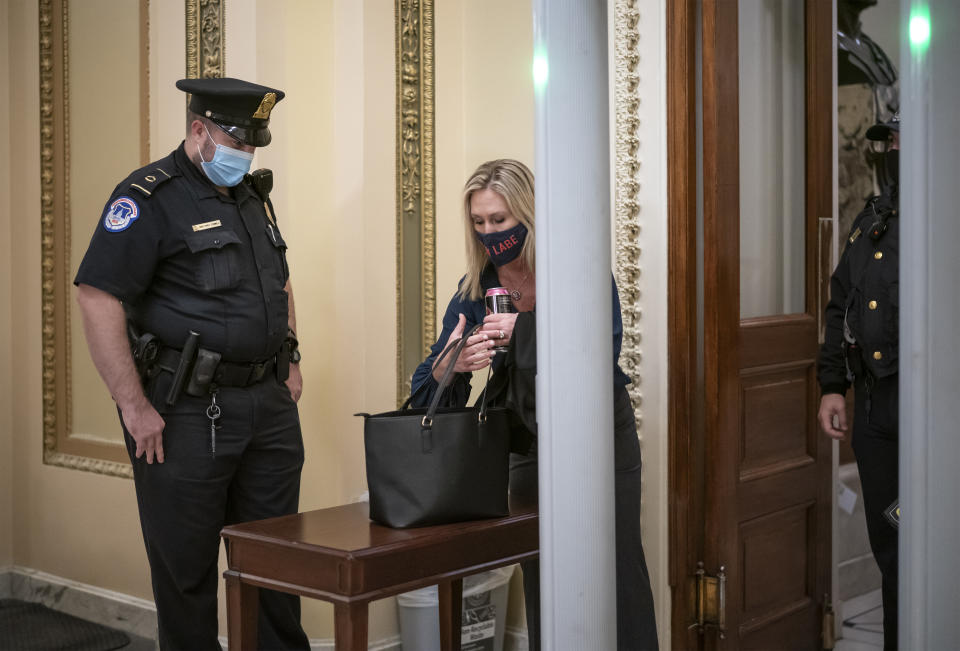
861 344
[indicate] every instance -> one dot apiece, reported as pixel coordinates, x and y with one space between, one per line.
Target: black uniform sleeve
125 248
831 366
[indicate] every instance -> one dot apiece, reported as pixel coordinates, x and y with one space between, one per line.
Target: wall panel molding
627 185
416 188
204 24
59 448
205 38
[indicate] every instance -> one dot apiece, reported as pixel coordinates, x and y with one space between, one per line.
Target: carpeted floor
26 626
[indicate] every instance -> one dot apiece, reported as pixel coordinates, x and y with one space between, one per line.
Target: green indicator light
920 29
540 70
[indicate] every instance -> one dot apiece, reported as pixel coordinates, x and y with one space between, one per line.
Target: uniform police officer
860 347
188 313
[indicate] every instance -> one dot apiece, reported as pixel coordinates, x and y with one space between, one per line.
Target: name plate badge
206 225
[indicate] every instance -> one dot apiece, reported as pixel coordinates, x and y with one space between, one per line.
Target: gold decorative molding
627 187
205 36
416 240
48 177
89 464
54 257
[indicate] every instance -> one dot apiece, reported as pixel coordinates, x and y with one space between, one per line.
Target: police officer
860 346
188 313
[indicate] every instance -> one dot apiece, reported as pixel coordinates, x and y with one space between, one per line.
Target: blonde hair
513 181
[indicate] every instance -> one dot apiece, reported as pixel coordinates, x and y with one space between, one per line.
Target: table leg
350 626
242 606
451 613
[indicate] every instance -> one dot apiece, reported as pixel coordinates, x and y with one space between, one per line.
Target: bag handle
483 400
450 346
427 420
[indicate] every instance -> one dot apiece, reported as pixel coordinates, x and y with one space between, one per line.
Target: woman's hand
499 327
474 356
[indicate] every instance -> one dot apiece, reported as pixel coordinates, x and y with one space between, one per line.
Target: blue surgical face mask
227 166
504 246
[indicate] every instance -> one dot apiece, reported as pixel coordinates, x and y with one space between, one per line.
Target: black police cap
881 130
240 108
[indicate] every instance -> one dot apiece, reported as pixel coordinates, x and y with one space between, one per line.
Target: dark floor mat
26 626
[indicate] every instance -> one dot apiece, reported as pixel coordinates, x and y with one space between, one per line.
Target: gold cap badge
266 105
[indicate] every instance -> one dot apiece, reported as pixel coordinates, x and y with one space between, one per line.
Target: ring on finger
501 334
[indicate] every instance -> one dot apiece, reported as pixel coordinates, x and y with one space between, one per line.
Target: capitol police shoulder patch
120 214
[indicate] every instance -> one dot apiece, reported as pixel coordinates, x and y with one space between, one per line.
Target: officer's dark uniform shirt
182 256
865 288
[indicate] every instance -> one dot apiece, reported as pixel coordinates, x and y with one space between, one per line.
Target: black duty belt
228 374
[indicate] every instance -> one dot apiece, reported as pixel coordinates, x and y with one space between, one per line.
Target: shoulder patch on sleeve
120 214
151 178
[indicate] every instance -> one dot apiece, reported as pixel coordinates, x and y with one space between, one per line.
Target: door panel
765 485
778 481
772 587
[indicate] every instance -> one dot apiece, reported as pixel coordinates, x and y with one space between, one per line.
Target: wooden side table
339 555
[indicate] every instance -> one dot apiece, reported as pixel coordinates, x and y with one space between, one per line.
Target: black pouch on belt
283 363
855 365
203 369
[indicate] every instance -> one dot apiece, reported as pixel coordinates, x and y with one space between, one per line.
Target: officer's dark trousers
636 622
875 445
185 501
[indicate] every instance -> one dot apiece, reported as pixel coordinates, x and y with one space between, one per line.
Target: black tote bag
433 466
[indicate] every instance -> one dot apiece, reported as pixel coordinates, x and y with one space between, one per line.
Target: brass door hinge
710 601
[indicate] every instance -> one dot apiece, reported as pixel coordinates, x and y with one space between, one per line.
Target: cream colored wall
77 525
99 54
6 305
333 156
484 109
168 43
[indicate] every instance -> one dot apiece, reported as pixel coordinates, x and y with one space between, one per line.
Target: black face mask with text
503 246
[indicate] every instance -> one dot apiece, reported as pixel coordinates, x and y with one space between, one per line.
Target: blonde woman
498 204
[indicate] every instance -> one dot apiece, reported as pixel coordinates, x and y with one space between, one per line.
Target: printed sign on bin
483 613
479 623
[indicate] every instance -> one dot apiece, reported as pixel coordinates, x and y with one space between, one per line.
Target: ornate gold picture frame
416 193
204 37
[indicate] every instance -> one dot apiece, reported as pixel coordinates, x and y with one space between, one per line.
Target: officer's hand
146 427
833 406
294 382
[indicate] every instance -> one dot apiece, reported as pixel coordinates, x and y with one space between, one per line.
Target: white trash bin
484 614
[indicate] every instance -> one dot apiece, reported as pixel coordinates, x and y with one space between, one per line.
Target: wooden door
750 471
